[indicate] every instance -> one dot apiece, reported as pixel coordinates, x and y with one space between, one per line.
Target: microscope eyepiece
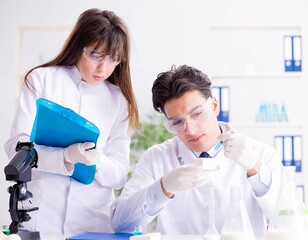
19 168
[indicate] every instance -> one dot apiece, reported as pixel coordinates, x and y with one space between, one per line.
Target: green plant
151 132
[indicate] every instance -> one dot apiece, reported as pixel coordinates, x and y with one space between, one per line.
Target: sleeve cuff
156 200
261 181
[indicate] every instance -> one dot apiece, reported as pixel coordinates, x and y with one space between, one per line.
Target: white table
164 237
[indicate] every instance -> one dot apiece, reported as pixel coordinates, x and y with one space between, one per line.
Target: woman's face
95 67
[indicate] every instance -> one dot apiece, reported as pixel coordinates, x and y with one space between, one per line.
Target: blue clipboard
100 236
57 126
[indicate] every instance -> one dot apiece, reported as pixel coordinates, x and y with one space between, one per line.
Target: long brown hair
100 28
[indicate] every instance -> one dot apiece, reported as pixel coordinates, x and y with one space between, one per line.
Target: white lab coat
188 212
67 206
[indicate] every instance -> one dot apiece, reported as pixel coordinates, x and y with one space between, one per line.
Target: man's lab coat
188 212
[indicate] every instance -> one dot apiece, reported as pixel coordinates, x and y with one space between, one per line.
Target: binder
297 153
297 53
288 58
279 148
224 103
57 126
222 94
288 151
100 236
293 53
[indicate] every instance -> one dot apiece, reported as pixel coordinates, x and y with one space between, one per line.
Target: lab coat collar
184 153
76 77
186 156
74 74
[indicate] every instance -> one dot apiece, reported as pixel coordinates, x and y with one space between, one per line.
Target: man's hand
183 178
239 148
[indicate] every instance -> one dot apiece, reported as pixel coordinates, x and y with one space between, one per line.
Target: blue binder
57 126
290 150
100 236
293 53
297 152
222 94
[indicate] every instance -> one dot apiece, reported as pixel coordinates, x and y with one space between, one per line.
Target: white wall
164 32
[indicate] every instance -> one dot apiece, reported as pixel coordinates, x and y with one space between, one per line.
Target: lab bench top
163 237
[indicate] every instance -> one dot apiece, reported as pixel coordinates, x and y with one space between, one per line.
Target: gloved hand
239 148
184 177
13 237
82 153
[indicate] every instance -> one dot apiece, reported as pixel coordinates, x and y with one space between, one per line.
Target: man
168 183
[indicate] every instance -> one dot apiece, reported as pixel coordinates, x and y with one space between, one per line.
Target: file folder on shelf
288 54
293 53
57 126
279 148
222 94
100 236
297 153
297 53
290 150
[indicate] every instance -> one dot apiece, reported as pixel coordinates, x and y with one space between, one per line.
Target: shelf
257 27
255 76
268 125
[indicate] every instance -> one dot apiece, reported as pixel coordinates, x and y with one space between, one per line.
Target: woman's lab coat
67 206
188 211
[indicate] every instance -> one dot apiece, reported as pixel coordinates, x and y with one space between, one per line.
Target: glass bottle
138 230
237 225
288 221
211 233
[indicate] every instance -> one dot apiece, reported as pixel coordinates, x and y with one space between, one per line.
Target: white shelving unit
250 61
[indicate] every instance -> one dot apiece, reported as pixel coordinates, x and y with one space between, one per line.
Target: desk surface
164 237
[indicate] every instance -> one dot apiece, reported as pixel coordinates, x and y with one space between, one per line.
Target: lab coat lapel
184 154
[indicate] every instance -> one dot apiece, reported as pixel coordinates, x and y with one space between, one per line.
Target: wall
163 33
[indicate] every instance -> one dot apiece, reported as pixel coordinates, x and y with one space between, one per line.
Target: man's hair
177 81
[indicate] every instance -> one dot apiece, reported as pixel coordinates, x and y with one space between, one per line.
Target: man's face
195 119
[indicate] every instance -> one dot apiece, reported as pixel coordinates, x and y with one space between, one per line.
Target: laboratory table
163 237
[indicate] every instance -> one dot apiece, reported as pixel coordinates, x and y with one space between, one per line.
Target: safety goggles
98 58
198 114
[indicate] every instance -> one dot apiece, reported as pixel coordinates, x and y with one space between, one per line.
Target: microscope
19 170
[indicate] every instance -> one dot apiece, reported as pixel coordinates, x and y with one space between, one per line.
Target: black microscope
19 170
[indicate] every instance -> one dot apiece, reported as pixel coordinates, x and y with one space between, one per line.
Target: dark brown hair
177 81
100 29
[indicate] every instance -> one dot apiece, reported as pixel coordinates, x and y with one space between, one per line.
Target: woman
91 75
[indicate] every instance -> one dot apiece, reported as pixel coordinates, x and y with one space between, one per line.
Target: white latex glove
13 237
2 236
184 177
82 153
239 148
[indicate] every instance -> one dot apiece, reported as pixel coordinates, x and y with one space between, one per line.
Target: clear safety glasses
198 114
98 58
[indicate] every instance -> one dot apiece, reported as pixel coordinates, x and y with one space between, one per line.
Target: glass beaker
288 221
237 225
211 233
